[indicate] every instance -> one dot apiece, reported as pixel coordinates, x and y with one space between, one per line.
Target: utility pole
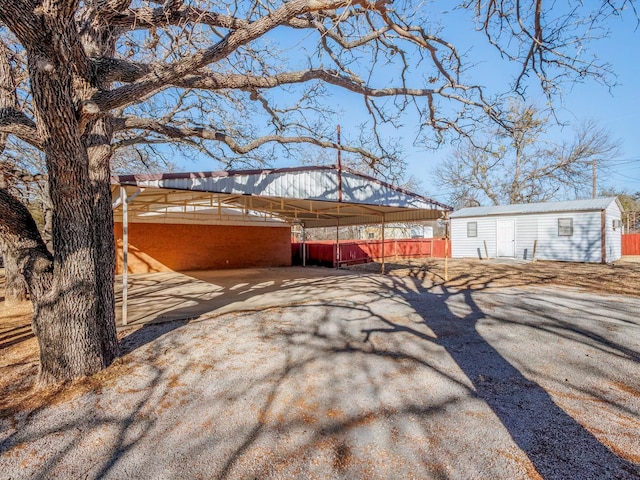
594 190
339 167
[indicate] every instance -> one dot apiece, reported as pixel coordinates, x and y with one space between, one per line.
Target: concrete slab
628 259
168 296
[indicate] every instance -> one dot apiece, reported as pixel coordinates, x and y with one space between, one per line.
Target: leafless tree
522 165
631 208
22 170
234 80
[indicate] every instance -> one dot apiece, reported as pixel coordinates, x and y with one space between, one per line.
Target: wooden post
486 250
446 259
535 247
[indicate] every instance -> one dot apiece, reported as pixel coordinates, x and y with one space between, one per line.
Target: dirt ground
341 388
19 350
622 277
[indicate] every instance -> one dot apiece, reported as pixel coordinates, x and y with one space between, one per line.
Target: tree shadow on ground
147 334
188 295
350 386
12 336
15 324
557 445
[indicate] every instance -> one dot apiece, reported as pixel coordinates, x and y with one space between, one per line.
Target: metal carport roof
310 196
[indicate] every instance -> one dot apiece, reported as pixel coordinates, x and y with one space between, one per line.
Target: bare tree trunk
64 318
16 290
99 152
47 216
72 292
101 39
74 314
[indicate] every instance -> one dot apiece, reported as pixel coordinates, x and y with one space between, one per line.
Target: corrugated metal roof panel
593 204
308 195
310 183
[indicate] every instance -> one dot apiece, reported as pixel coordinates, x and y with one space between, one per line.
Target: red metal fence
631 244
351 252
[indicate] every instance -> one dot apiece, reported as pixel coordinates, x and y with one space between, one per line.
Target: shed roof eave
589 205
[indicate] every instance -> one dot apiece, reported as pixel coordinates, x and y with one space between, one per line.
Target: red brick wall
167 247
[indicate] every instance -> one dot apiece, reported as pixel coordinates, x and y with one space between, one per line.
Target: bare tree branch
159 78
184 133
17 123
523 166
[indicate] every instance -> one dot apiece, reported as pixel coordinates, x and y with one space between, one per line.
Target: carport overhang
308 196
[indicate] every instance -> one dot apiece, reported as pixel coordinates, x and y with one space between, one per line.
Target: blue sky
618 110
615 109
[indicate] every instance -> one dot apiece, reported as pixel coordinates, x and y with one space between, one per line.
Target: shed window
472 229
565 227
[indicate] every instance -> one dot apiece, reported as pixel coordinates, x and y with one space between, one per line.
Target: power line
626 176
623 161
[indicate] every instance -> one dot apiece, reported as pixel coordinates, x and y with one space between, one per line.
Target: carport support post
382 224
304 246
125 251
337 243
446 247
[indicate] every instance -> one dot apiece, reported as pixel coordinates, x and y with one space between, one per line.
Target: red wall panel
631 244
358 251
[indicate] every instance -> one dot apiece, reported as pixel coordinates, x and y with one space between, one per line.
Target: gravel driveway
393 378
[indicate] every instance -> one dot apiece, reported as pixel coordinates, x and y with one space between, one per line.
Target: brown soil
622 278
19 348
19 363
19 366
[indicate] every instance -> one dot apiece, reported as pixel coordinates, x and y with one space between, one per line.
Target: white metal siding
539 223
583 246
613 237
464 247
526 235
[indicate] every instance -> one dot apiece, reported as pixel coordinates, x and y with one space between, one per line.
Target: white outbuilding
574 231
